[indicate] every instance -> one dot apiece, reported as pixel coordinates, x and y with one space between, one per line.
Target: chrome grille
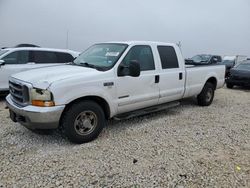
19 93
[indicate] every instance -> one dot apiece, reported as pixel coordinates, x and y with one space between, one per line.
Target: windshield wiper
71 63
85 64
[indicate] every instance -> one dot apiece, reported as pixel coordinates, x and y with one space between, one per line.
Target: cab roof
142 43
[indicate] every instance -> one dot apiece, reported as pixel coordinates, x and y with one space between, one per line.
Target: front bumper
238 82
34 117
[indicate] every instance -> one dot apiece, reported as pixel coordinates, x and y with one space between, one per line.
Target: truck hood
43 77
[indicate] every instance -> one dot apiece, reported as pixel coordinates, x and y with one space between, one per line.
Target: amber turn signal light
43 103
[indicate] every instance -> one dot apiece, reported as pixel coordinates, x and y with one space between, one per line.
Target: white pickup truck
108 80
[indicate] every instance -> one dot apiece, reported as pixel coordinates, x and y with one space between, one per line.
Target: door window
64 57
44 57
142 54
18 57
168 57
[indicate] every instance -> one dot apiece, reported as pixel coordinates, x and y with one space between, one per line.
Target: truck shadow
241 88
2 98
55 137
137 121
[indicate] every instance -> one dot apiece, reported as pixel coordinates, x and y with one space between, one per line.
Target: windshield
201 58
101 56
244 66
3 52
228 62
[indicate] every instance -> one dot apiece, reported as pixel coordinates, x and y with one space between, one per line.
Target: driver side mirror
133 69
2 62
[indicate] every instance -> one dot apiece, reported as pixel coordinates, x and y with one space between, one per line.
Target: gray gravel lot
187 146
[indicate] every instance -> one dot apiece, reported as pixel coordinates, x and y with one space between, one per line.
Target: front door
14 62
138 92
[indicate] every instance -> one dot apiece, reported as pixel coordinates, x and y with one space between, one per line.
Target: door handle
180 76
157 78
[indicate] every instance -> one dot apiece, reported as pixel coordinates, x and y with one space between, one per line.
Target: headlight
41 97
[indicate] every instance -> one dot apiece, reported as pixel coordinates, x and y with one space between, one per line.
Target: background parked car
14 60
203 59
229 64
231 61
236 58
239 75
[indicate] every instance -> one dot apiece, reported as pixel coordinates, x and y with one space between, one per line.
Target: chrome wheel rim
209 95
85 123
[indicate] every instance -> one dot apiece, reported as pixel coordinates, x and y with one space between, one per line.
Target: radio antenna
67 40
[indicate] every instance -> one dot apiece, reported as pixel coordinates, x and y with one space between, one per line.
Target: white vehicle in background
236 59
14 60
109 80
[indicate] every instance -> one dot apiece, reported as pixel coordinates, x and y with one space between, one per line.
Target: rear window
168 57
44 57
51 57
219 58
64 57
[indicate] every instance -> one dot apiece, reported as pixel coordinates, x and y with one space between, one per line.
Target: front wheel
83 122
205 98
230 86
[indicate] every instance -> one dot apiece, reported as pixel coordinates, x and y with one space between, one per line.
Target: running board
148 110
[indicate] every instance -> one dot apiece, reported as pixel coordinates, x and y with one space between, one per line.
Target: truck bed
195 78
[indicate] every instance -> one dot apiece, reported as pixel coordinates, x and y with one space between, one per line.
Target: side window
168 57
219 58
142 54
44 57
64 57
18 57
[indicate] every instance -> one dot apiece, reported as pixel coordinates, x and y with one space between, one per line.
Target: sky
202 26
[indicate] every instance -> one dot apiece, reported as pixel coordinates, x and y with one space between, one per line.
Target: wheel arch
213 81
99 100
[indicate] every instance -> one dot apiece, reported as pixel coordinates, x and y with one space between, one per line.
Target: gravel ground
187 146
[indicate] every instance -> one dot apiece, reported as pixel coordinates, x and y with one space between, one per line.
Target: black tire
230 86
205 98
73 125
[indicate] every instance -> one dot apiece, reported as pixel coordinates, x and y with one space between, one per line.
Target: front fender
65 96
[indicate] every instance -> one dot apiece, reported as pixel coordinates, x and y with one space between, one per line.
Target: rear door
138 92
172 75
15 62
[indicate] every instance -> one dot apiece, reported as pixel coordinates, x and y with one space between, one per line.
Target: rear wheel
205 98
230 86
83 122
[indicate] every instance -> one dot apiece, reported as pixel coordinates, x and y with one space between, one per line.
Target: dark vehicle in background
26 45
229 65
239 75
232 61
203 59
